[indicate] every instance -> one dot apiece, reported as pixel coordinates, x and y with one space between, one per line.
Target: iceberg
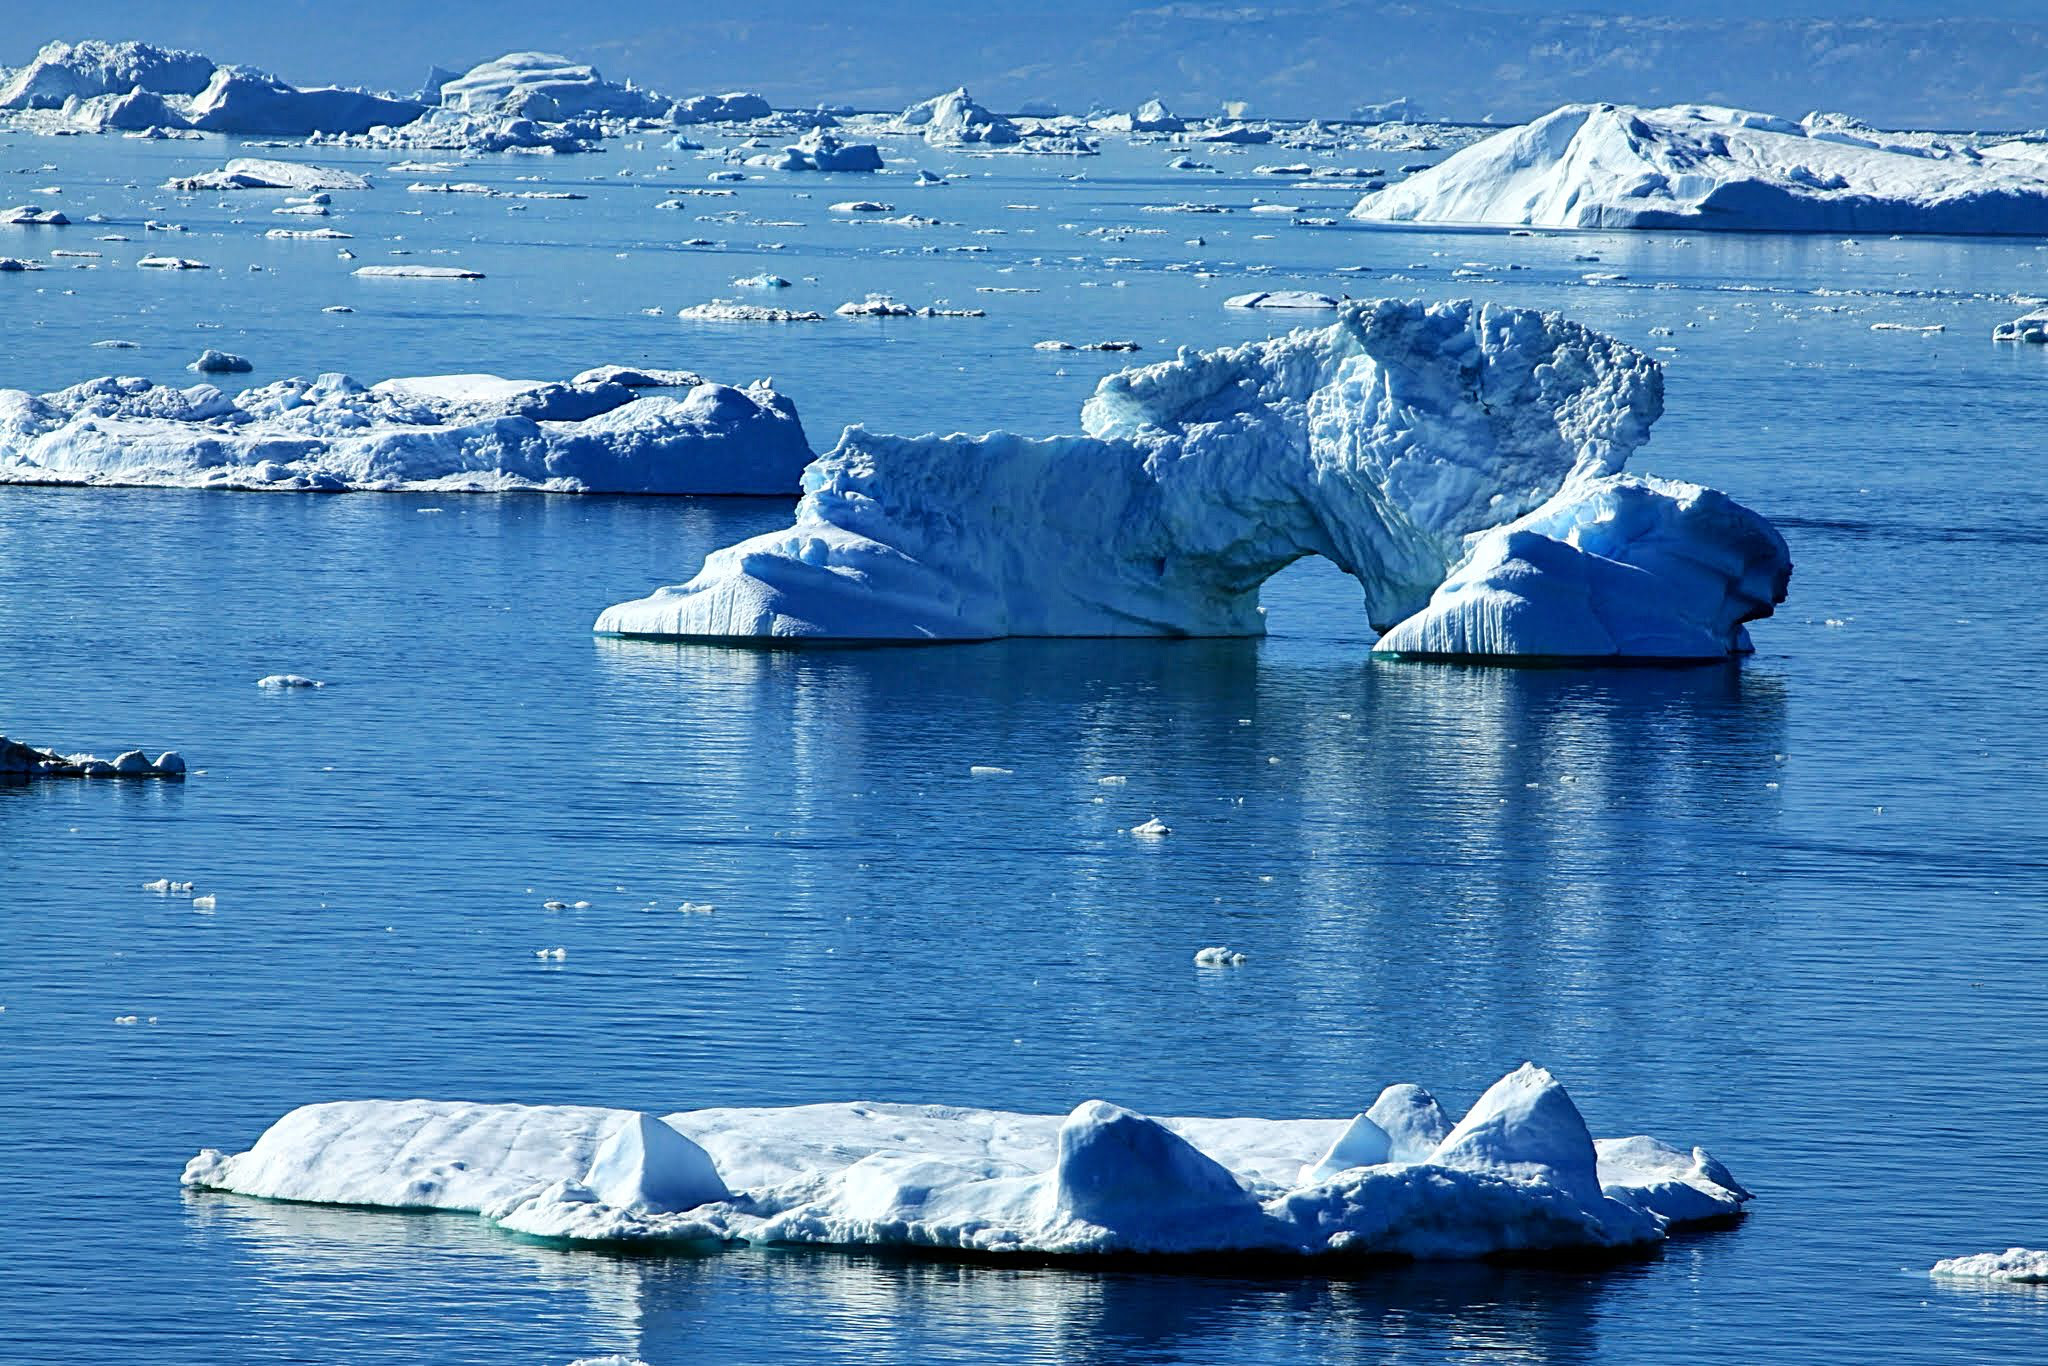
263 173
19 763
1300 300
1518 1173
1391 442
735 106
137 111
1706 167
1623 568
1150 117
241 100
818 150
954 119
545 87
68 71
605 432
2014 1266
2028 327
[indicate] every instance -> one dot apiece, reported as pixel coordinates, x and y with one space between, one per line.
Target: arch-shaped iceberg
1391 441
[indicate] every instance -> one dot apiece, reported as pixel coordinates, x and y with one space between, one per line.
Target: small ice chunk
2019 1265
288 681
1219 956
1152 828
212 362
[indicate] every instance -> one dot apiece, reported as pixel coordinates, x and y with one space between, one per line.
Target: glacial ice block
1519 1173
1619 568
650 432
2015 1266
1707 167
1382 441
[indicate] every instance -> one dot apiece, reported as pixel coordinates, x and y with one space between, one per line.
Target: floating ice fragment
2016 1265
1219 956
990 771
1152 828
288 681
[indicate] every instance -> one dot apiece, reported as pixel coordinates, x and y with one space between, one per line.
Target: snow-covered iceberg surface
1390 441
2015 1266
1705 167
1621 568
264 173
606 431
1519 1173
954 119
68 71
541 85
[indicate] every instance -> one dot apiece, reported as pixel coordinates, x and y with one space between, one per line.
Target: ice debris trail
1707 167
608 430
1391 441
1520 1172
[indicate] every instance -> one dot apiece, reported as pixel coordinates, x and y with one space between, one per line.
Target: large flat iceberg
1391 442
1706 167
1519 1173
607 431
541 85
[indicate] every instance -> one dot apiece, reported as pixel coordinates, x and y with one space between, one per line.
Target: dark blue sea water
1790 909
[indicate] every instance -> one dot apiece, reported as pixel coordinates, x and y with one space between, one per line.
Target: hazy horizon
1505 59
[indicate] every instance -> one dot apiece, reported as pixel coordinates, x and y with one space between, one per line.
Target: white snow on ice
1519 1172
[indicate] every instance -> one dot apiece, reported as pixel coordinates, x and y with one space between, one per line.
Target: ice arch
1388 441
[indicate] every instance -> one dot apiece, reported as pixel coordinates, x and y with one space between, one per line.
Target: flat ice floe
607 431
2015 1265
265 173
1519 1173
1702 166
1391 442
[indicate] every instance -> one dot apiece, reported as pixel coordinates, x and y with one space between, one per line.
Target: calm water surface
1789 910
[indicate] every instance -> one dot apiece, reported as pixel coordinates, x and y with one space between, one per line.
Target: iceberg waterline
1520 1172
608 430
1707 167
1392 442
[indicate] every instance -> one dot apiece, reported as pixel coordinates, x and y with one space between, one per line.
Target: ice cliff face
1519 1172
1705 167
606 431
1386 442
